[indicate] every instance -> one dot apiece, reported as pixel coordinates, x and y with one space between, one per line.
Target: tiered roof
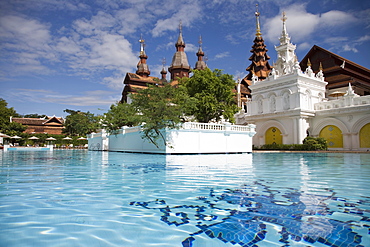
200 64
338 71
180 66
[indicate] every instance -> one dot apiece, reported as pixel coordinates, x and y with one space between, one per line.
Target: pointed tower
286 52
260 65
142 67
200 64
163 71
180 66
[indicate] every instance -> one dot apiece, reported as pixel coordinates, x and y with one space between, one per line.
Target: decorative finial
284 18
142 45
308 63
320 67
200 41
163 61
180 26
258 28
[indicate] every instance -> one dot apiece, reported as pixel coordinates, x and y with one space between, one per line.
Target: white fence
190 138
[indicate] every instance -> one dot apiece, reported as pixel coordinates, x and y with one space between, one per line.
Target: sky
74 54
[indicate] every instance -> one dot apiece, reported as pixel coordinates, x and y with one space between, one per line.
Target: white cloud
186 12
190 48
222 55
304 46
364 38
349 48
302 25
336 18
87 98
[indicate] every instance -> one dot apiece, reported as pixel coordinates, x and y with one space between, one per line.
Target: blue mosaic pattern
302 217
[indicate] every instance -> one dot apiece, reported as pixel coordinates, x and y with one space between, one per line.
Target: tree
79 123
161 107
120 114
213 94
34 115
7 127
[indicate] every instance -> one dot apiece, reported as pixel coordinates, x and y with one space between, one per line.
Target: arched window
333 135
365 136
273 136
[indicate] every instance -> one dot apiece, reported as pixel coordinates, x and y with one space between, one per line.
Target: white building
290 104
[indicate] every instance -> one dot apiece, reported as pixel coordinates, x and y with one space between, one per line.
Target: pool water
85 198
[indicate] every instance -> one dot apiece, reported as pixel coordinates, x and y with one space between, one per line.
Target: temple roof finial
308 63
200 64
142 45
180 40
258 28
284 39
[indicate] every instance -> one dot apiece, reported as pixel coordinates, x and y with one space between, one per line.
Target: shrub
309 144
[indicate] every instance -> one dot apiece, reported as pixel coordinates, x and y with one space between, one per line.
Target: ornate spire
258 27
200 64
142 67
260 66
309 63
286 62
142 45
163 71
180 66
180 41
284 38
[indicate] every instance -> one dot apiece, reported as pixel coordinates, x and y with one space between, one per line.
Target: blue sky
74 54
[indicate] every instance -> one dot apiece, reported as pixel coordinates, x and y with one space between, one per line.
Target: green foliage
7 127
213 93
207 96
309 144
34 115
161 107
313 143
79 123
120 114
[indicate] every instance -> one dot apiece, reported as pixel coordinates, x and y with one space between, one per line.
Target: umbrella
33 138
336 94
16 137
81 138
67 138
50 139
4 135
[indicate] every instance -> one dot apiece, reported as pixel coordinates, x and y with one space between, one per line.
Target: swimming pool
84 198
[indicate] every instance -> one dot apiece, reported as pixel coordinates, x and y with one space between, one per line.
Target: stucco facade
290 104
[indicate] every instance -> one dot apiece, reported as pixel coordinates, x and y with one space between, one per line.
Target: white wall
192 138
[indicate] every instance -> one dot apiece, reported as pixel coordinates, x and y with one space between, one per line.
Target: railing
241 128
203 126
216 127
130 129
343 102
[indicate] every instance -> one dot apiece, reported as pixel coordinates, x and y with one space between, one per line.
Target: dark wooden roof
134 82
39 121
338 71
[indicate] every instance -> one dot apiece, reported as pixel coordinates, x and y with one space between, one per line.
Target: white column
347 141
300 134
355 141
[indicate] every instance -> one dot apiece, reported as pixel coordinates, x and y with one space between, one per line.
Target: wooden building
52 125
179 68
338 72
